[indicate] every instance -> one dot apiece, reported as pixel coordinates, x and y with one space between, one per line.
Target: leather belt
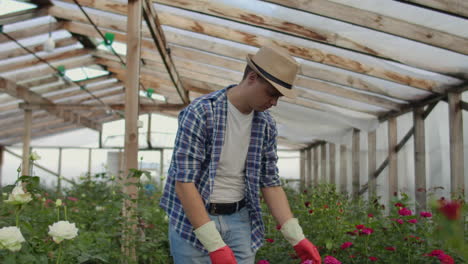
225 208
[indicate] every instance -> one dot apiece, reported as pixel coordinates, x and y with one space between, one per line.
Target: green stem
17 216
65 211
59 254
58 213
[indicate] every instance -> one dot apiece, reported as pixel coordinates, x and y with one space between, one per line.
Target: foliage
357 231
95 205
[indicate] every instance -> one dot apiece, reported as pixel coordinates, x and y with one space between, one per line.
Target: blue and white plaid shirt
196 154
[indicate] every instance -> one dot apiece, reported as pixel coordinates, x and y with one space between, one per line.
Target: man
224 155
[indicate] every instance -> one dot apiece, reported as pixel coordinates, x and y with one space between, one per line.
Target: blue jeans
234 229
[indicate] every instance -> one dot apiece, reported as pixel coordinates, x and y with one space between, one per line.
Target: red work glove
223 255
307 251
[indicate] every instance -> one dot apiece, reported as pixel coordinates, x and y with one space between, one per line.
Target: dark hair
246 71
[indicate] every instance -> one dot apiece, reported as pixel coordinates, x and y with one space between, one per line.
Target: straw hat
276 66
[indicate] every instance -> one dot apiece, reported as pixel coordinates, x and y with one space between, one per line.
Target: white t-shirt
229 182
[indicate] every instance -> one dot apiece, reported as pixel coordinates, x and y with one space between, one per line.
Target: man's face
264 95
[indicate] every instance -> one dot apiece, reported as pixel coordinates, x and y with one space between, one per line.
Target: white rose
18 196
62 230
11 238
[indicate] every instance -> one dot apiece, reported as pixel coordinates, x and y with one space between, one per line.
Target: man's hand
307 251
292 232
219 252
223 255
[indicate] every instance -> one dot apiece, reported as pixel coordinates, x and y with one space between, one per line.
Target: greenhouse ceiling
362 62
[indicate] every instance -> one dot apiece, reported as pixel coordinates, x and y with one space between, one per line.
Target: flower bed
348 231
84 225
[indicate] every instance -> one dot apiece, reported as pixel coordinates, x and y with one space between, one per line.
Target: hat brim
290 93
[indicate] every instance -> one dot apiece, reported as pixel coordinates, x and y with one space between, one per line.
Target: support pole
2 148
323 159
372 163
134 15
302 165
308 164
59 172
26 141
343 169
90 154
419 159
356 162
332 165
392 158
457 179
316 166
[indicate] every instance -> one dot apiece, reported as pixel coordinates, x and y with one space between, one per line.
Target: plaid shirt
196 155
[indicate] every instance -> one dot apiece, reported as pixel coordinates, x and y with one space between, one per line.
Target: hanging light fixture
49 44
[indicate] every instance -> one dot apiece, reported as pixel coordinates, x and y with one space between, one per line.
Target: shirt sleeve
270 177
189 147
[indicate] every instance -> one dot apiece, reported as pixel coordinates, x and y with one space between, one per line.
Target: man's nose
274 101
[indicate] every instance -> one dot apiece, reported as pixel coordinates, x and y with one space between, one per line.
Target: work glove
293 233
211 239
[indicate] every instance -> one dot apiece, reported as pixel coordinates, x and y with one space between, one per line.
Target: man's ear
252 76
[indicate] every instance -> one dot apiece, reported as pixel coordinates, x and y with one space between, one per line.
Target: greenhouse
105 127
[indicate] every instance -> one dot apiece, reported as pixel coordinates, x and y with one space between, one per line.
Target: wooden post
323 166
308 163
356 149
302 166
343 169
161 167
419 159
392 158
90 154
316 165
26 141
331 159
457 179
59 172
131 129
372 164
148 133
2 148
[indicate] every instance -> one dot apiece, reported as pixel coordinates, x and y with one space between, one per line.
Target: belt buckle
213 209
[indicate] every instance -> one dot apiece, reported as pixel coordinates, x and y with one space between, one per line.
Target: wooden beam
343 169
159 39
33 30
392 159
458 7
420 159
35 47
457 170
380 22
332 165
144 108
356 156
8 67
371 163
23 93
25 169
23 15
338 77
42 70
248 38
